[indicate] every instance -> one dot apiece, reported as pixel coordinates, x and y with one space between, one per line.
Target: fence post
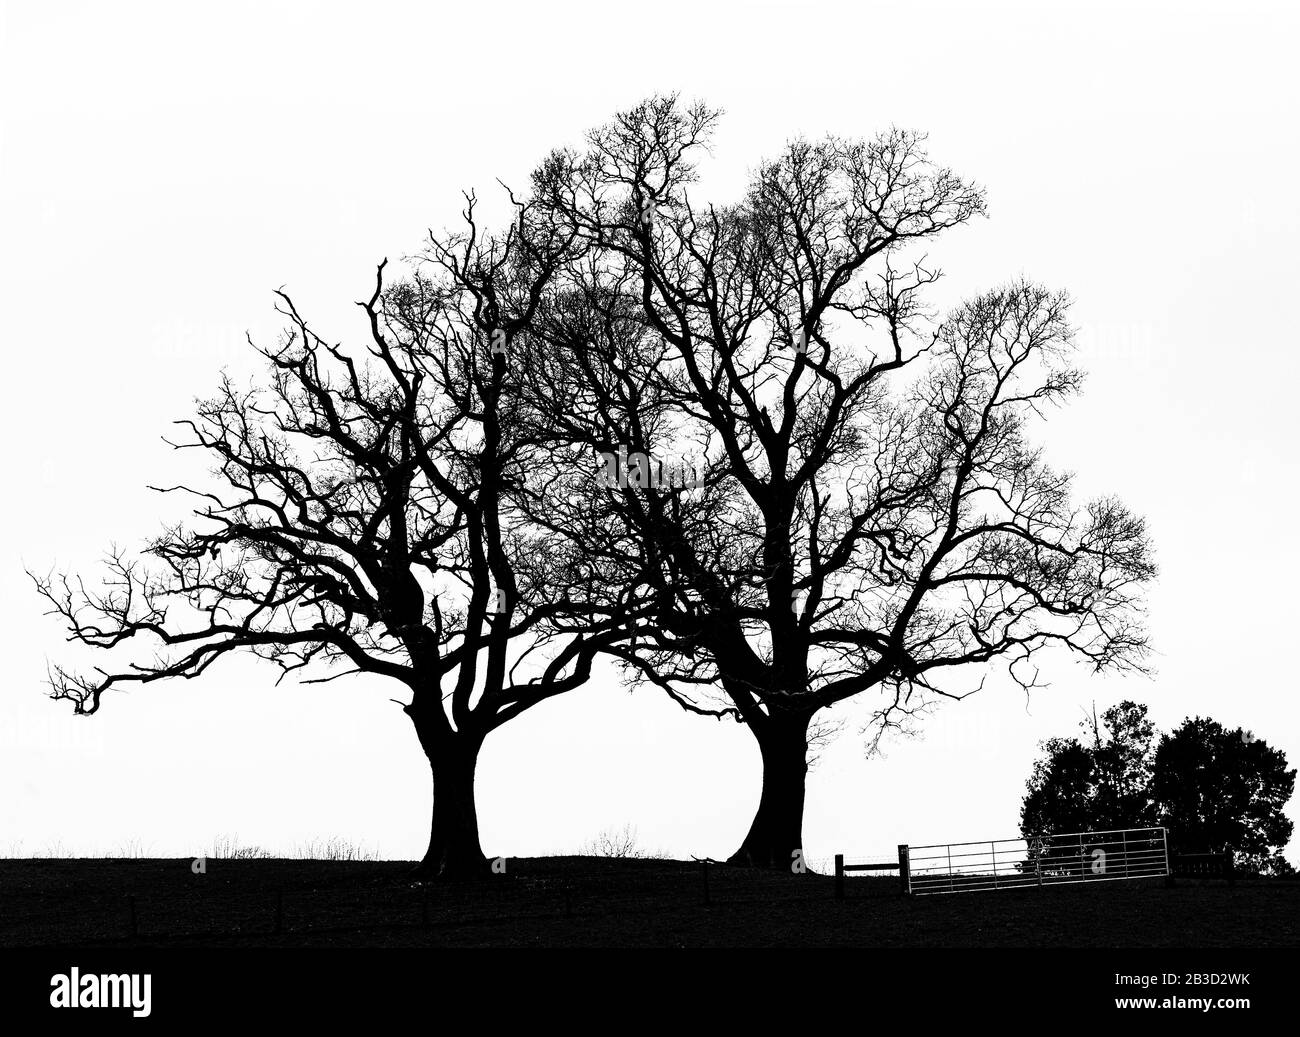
424 907
993 849
904 869
130 915
839 876
279 911
1229 866
705 870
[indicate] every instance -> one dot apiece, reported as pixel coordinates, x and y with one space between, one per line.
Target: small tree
1213 789
1218 789
1099 784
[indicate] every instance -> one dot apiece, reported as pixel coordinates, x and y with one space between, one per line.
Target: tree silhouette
1213 789
1218 789
869 514
866 510
1101 785
362 523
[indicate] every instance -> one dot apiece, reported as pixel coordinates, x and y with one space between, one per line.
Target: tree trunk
454 851
775 838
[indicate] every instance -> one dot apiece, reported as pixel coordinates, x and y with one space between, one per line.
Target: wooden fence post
904 869
705 870
1229 866
279 911
839 876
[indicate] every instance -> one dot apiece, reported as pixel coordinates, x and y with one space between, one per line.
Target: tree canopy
872 513
1213 789
869 513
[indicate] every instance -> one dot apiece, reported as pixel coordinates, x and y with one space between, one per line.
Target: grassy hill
588 901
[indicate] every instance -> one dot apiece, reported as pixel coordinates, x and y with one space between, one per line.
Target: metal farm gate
1127 853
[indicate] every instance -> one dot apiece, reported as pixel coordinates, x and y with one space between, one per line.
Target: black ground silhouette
577 901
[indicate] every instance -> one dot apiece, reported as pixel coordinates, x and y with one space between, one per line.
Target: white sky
164 169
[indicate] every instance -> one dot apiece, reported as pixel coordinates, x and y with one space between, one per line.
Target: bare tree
361 522
865 510
870 513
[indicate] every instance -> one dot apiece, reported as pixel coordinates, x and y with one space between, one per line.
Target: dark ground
576 901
